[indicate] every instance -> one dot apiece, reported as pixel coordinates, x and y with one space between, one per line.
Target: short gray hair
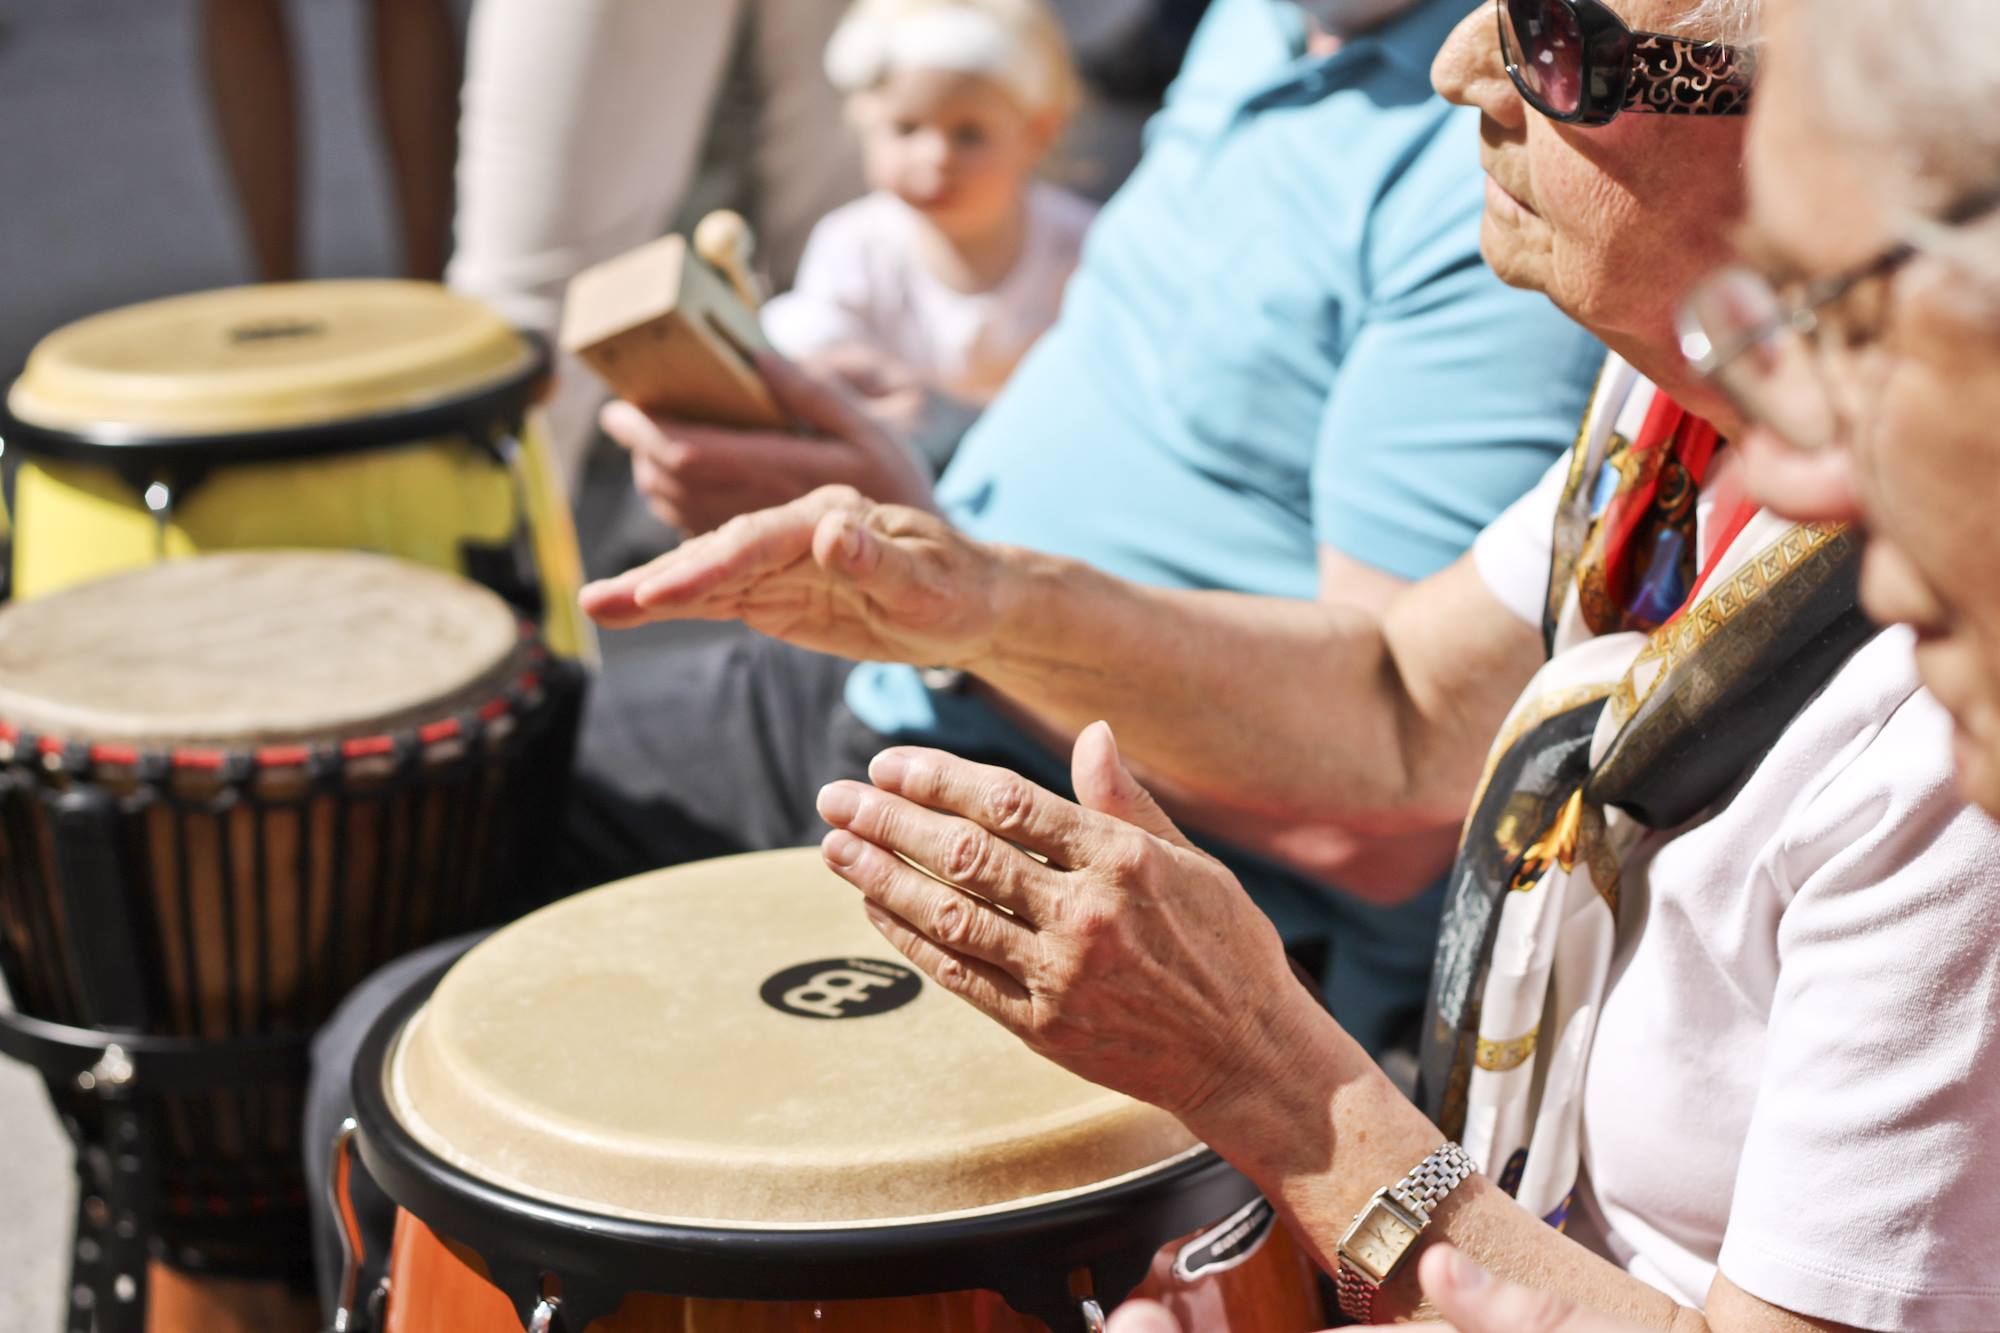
1738 22
1924 89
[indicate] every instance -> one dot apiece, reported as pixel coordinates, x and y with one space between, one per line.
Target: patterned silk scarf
1667 679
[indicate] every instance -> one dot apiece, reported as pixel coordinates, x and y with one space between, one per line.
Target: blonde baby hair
1019 44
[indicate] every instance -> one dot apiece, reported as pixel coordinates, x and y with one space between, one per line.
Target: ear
1043 129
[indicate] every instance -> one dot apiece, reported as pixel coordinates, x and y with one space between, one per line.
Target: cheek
1892 590
883 159
1515 246
990 165
1638 209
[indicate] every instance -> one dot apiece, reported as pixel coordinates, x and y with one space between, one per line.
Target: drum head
730 1045
252 648
265 359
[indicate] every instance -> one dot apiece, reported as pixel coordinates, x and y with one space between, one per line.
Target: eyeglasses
1762 350
1576 62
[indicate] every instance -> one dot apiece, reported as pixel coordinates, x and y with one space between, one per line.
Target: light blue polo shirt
1281 337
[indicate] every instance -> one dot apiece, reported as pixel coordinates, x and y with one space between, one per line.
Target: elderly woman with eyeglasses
1862 336
1718 916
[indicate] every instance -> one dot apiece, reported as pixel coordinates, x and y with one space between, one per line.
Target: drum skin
170 428
254 777
709 1100
439 1287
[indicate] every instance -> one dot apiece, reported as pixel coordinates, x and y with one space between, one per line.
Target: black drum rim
1025 1254
483 414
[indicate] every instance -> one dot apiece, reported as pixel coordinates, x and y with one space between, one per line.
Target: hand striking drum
710 1099
230 786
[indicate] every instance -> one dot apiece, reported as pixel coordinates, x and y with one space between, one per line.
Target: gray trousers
706 741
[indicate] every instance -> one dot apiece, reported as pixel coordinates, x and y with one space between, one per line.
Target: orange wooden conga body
708 1101
438 1287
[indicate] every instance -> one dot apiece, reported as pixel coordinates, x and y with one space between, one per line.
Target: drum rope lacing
62 756
157 1156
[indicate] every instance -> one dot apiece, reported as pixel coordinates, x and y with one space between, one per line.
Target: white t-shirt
861 281
1796 1072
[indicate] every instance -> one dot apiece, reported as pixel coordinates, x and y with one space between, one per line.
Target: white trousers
583 122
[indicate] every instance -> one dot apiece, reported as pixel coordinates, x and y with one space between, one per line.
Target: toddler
956 262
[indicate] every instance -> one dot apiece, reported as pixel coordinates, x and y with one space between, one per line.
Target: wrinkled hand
1130 958
832 572
1464 1293
696 478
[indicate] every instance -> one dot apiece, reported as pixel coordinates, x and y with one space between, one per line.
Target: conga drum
231 786
711 1100
385 416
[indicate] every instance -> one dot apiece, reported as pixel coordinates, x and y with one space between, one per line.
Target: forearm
1323 1132
1288 710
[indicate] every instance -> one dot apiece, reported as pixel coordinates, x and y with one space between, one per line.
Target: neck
1660 361
977 260
1342 19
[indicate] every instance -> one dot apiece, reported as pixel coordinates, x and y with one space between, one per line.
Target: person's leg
416 91
700 741
581 124
808 163
247 51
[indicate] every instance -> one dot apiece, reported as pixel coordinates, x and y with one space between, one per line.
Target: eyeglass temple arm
1676 76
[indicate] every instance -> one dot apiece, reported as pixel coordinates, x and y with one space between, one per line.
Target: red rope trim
292 755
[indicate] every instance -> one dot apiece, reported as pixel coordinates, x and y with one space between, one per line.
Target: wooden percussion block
665 331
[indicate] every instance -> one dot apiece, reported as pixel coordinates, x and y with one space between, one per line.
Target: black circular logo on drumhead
842 988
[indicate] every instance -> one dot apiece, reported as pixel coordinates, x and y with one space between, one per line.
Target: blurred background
117 190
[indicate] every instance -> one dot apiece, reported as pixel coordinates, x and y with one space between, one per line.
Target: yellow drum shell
386 416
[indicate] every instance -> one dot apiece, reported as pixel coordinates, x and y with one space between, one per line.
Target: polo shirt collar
1409 42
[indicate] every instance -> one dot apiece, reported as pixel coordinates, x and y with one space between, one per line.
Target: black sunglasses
1575 61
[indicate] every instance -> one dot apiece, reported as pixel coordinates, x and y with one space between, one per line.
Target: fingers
979 984
1467 1296
957 851
817 402
949 918
611 602
1142 1317
1105 785
996 799
747 547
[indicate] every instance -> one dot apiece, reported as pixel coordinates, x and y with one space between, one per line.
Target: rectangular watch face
1377 1241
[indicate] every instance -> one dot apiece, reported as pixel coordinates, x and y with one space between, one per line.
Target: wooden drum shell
234 895
439 1286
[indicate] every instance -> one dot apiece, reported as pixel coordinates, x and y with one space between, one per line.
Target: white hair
1017 43
1738 22
1920 84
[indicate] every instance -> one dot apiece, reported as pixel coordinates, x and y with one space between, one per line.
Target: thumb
1467 1296
818 403
1105 785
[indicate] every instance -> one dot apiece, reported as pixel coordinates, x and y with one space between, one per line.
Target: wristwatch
1386 1229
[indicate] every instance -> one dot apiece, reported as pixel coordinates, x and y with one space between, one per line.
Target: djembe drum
385 416
230 786
711 1100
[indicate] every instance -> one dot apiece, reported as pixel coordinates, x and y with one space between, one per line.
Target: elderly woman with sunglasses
1717 912
1861 342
